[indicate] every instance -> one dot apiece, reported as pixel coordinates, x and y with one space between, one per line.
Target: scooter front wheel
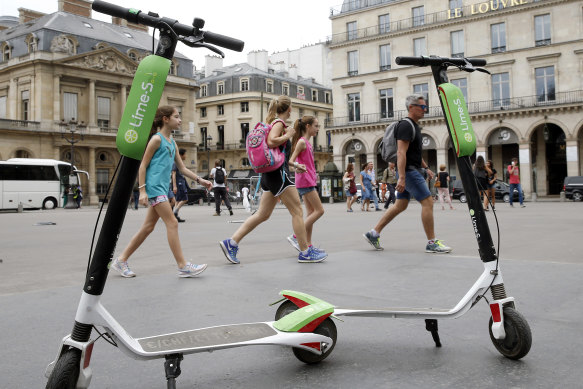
518 338
66 371
326 328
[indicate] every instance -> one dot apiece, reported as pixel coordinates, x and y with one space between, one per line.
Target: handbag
437 184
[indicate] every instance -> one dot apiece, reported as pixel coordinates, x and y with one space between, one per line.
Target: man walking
219 176
390 178
181 187
514 181
411 169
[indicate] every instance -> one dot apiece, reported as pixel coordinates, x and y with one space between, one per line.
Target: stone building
529 107
66 65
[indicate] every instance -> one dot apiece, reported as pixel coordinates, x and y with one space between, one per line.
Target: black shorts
181 192
276 181
482 183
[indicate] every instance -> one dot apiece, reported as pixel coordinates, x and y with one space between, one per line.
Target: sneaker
231 212
522 206
318 249
312 256
437 247
217 214
375 242
294 242
123 268
229 250
179 219
191 270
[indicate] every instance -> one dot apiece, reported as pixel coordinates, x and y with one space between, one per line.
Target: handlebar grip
114 10
223 41
416 61
433 60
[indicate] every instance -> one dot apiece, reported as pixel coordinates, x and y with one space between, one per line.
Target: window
3 100
498 33
423 89
542 30
301 94
6 51
419 47
203 141
314 95
202 112
385 57
327 98
301 112
245 106
102 181
221 141
70 106
25 105
103 111
220 109
457 44
462 83
203 91
285 89
384 24
453 4
386 98
244 85
418 16
353 63
500 89
245 162
173 68
269 86
244 130
545 83
351 32
221 88
354 107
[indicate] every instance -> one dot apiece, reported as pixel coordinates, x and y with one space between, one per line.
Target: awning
241 174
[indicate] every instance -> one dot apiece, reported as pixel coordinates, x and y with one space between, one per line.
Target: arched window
6 51
31 41
174 68
21 154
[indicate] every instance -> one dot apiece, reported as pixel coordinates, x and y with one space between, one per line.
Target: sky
289 25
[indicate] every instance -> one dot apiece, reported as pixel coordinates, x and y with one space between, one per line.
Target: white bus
36 183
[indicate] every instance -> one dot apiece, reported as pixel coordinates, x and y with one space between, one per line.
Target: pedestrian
180 185
481 175
349 186
366 187
276 185
442 186
375 186
411 171
136 195
303 154
172 189
491 185
153 176
219 176
65 196
514 181
245 194
390 178
78 195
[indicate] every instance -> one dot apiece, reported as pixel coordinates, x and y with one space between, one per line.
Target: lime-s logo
468 137
131 136
471 212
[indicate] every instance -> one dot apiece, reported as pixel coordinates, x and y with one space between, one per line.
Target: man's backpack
388 146
219 175
262 158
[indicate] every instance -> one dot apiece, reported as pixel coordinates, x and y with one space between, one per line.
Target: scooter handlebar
152 20
433 60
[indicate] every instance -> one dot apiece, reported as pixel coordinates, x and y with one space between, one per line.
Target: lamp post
72 127
208 154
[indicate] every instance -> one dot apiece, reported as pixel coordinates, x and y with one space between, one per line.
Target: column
57 98
572 158
525 168
93 198
13 99
541 165
92 116
32 100
442 158
123 98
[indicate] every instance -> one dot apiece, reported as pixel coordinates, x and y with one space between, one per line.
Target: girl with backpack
306 128
153 175
276 185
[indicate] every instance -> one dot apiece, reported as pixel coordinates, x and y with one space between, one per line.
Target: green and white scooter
309 331
509 330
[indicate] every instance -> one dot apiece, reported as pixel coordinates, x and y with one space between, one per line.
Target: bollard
200 201
533 197
20 208
562 196
331 200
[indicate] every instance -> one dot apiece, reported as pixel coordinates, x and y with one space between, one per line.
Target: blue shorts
303 191
415 185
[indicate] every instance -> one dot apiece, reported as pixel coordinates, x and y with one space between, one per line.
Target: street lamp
208 154
73 127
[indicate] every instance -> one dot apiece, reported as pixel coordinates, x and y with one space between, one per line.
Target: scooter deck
392 312
206 337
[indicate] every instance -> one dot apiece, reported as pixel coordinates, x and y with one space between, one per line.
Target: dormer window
87 25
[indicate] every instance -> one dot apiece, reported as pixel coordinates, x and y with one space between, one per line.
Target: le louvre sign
485 7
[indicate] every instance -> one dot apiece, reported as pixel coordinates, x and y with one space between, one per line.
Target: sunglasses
422 106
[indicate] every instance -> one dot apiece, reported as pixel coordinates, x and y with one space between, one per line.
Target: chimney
27 15
125 23
212 63
258 59
76 7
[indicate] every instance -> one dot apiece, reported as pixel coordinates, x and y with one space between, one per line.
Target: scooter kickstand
172 367
431 326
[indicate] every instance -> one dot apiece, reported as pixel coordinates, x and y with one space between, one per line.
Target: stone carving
62 44
104 61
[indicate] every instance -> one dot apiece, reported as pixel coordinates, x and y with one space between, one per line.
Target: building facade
529 107
233 99
66 65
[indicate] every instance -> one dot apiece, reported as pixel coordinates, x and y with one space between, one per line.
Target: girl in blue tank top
153 177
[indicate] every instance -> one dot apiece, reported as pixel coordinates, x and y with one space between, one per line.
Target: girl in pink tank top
306 180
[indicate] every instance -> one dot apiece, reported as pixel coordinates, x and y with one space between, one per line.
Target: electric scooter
509 330
309 331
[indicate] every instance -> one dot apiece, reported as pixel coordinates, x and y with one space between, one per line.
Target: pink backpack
262 158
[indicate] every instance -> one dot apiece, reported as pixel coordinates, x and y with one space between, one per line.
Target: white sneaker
294 242
122 267
191 270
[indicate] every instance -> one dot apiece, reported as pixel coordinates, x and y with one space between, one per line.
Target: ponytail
277 106
301 126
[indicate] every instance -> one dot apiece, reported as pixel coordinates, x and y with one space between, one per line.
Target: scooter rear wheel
66 371
326 328
518 338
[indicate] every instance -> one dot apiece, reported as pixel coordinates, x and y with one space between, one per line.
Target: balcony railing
10 124
515 103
